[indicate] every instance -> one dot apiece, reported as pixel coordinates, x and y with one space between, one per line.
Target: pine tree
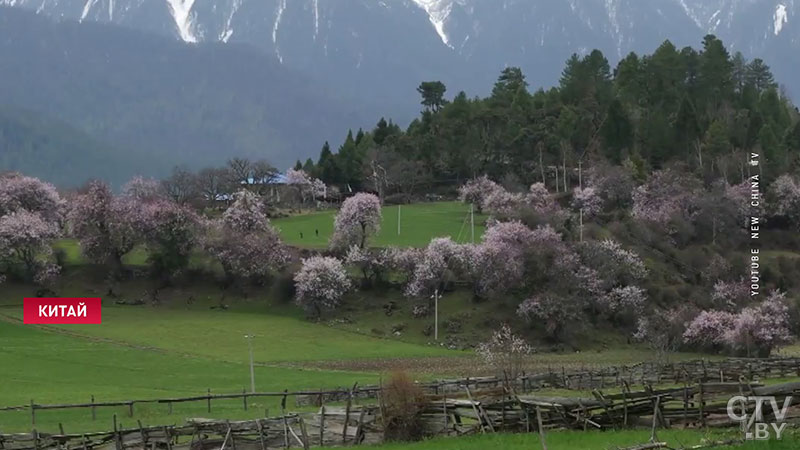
432 93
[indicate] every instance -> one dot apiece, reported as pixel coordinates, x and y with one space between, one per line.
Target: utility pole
249 338
398 220
436 315
472 220
580 186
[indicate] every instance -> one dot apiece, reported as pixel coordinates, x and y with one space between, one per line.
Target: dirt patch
454 365
449 366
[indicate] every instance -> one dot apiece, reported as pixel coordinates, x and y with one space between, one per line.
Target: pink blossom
320 284
709 329
171 232
372 263
757 330
541 200
143 189
297 177
440 258
403 260
666 195
553 311
307 186
359 218
784 198
476 190
631 299
104 224
19 192
516 236
663 330
740 195
505 352
251 254
587 200
730 294
614 263
490 268
503 203
246 214
25 240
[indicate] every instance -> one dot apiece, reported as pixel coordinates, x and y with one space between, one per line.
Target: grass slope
54 368
419 223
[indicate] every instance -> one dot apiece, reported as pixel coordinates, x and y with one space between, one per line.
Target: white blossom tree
320 284
357 220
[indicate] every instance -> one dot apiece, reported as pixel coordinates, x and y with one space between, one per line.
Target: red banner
57 311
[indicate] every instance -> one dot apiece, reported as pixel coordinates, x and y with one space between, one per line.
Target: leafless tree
212 183
181 186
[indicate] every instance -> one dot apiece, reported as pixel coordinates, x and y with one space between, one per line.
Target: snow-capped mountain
363 46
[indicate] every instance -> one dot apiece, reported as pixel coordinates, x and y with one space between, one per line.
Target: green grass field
175 349
590 440
53 368
419 223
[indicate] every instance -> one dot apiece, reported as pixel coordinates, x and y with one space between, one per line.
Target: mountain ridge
463 42
146 95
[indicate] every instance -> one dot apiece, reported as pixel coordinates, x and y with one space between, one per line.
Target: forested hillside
701 107
52 150
664 158
148 95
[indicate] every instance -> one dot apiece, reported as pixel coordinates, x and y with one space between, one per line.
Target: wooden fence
643 374
472 412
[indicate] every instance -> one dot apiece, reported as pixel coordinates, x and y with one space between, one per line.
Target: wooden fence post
143 434
168 436
260 434
541 428
94 410
117 442
304 434
285 422
33 413
130 409
209 399
322 426
347 417
233 435
702 406
244 398
360 428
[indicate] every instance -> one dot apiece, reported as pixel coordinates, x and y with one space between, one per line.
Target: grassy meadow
419 223
593 440
188 344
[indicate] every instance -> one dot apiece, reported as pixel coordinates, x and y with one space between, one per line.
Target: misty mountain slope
364 45
50 149
189 104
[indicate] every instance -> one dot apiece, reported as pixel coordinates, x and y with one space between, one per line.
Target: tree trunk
541 164
363 235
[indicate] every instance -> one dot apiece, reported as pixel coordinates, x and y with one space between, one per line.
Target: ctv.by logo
754 426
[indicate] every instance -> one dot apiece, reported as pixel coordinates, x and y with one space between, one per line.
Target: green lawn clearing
52 368
419 223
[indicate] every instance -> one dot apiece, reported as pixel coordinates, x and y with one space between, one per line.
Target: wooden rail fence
472 412
643 374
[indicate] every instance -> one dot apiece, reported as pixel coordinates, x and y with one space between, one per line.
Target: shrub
402 403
